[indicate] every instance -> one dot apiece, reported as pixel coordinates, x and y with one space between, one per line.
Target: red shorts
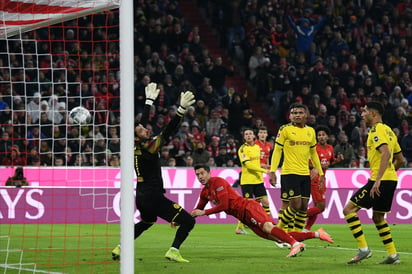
255 217
318 195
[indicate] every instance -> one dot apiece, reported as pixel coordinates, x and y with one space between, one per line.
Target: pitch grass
210 249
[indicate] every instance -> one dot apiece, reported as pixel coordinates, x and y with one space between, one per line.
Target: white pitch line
5 266
348 248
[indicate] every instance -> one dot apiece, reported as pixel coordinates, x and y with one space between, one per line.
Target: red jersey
326 155
264 151
223 196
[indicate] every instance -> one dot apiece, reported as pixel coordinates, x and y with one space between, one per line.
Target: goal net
56 55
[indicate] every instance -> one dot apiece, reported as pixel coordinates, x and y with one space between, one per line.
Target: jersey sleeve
278 148
222 196
202 200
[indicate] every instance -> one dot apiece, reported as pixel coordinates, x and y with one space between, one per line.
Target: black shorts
153 205
380 203
292 186
256 191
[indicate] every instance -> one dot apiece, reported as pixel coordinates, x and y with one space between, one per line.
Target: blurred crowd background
333 56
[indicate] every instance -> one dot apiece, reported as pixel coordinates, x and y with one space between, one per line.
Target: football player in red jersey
265 147
317 190
224 198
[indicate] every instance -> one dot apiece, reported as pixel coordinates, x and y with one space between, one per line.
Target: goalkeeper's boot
392 259
173 254
361 255
116 253
296 249
324 236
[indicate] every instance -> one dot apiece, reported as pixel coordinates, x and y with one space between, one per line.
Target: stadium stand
246 61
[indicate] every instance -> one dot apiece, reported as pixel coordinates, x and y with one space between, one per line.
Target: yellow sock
386 237
355 227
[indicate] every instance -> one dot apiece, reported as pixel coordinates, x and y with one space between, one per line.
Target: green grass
210 249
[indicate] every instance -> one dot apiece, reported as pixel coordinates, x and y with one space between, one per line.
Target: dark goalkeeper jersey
147 160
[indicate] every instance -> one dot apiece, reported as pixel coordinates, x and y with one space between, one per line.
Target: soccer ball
79 116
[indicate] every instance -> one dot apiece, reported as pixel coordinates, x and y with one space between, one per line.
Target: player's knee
184 219
378 218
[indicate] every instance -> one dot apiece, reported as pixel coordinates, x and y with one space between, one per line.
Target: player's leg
320 234
146 204
247 192
178 217
318 197
257 219
261 196
381 206
287 214
361 199
303 188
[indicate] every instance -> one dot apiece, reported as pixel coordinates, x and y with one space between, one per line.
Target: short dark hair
297 105
204 166
378 106
323 128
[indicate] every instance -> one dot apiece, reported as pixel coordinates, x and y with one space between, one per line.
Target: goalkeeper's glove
186 100
151 93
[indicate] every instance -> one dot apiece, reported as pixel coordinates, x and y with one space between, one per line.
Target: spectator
305 32
15 159
213 147
406 145
5 146
214 124
218 76
346 149
200 154
177 150
18 179
33 107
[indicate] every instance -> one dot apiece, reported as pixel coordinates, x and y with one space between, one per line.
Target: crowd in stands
332 58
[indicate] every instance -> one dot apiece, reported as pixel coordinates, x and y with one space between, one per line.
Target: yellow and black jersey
249 156
296 144
379 135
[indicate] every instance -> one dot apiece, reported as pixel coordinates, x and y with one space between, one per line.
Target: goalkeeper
150 199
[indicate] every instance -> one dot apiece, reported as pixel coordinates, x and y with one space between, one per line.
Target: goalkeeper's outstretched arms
151 92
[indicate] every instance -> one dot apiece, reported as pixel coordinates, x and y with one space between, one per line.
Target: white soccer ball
79 116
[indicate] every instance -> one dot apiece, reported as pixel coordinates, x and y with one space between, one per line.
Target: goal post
127 133
60 54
